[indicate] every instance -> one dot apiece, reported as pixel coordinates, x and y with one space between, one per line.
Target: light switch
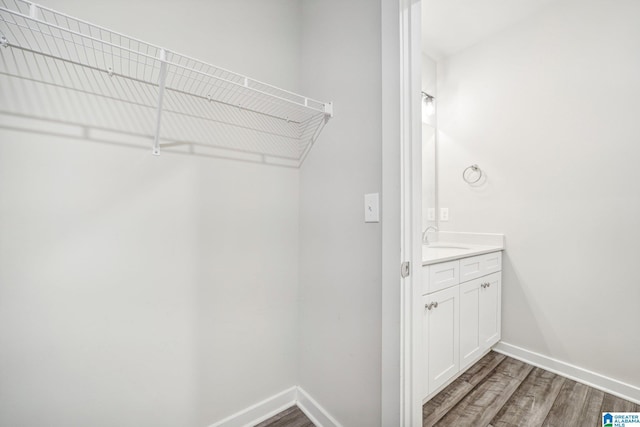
431 214
372 207
444 214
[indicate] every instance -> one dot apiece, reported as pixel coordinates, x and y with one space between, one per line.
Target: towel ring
467 177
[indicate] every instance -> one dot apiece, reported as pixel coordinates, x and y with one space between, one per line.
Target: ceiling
448 26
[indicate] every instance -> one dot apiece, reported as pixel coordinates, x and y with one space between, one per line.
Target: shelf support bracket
162 78
33 11
328 109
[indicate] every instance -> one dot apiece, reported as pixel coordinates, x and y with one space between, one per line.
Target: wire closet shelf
58 68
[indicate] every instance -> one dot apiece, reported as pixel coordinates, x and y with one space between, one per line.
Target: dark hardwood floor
292 417
499 391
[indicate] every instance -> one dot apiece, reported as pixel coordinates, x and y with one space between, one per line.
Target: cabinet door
471 346
441 326
490 309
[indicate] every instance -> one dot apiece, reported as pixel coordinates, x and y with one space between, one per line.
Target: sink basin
430 252
445 246
440 250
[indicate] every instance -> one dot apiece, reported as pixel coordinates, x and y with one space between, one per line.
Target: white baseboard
259 412
576 373
316 413
269 407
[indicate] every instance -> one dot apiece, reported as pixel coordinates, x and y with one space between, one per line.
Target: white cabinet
470 347
479 317
478 266
490 310
440 276
440 329
462 316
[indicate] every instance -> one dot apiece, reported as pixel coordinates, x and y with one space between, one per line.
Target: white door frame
411 211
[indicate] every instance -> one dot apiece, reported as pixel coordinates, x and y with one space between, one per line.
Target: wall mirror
429 142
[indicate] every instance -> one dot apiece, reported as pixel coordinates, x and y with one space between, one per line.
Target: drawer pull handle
485 285
431 305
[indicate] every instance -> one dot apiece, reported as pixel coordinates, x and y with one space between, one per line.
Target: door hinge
405 269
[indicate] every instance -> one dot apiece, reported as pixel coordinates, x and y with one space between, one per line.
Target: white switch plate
431 214
372 207
444 214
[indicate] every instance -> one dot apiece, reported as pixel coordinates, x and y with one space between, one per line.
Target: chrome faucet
425 238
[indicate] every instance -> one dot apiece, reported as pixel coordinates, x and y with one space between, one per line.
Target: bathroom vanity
461 308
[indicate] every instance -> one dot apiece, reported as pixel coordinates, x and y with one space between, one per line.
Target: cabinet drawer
481 265
440 276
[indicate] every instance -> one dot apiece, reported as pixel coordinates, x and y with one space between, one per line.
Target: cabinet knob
431 305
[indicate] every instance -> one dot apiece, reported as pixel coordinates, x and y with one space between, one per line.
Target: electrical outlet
431 214
372 207
444 214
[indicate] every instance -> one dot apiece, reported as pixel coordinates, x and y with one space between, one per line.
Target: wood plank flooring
499 391
292 417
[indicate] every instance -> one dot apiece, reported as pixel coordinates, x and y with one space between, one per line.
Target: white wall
549 110
137 290
340 255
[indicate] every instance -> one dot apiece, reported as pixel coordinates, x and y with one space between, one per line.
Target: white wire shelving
59 68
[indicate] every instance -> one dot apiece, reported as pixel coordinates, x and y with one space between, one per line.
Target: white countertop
449 251
448 246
